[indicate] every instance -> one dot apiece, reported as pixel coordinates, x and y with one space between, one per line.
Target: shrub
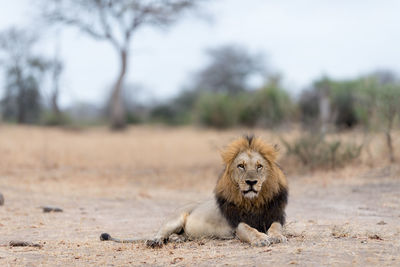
217 110
270 106
314 151
52 119
133 118
177 111
169 114
249 110
274 105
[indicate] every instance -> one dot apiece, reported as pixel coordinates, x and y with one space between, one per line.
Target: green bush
177 111
314 151
217 110
52 119
170 114
269 106
273 104
133 118
248 110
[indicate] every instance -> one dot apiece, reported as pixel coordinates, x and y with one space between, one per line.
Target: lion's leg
173 226
176 238
251 235
275 233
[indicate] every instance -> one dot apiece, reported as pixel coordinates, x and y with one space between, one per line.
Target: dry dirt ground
126 183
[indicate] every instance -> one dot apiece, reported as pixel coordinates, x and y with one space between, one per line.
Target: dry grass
126 183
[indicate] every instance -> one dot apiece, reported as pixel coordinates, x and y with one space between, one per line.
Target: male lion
250 200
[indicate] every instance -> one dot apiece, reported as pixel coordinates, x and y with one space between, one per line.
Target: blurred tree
275 103
136 100
328 102
323 86
378 104
54 116
24 73
115 22
21 102
389 110
343 94
230 70
309 108
315 104
56 68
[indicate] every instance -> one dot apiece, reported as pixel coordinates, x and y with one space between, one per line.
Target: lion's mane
269 205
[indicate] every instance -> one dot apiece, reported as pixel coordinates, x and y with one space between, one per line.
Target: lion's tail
108 237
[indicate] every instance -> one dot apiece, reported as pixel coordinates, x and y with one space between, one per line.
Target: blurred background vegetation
222 94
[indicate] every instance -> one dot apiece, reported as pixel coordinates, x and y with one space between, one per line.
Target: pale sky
302 39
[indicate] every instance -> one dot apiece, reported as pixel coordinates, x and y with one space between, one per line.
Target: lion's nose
251 182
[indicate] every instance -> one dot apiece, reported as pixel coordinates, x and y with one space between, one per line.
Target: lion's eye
240 166
259 167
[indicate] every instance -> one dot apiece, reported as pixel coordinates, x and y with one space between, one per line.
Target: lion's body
249 200
206 220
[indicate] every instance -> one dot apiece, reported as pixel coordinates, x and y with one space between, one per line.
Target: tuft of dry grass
340 232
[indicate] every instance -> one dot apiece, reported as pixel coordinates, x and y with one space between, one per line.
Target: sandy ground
127 183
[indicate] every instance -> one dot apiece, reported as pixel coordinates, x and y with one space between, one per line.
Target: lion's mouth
251 190
251 193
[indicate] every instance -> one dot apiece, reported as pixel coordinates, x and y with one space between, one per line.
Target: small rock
375 236
1 199
17 243
51 209
176 260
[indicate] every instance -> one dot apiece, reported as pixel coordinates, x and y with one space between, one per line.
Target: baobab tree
115 22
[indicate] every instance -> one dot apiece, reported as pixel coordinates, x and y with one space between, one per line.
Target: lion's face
249 171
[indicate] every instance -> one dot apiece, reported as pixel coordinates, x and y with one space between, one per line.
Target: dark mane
262 218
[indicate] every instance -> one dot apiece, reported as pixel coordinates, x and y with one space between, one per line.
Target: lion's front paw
261 241
154 243
277 238
175 238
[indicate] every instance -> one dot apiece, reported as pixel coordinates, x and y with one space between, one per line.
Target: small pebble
51 209
17 243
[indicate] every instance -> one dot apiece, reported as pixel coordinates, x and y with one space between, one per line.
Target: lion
249 201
